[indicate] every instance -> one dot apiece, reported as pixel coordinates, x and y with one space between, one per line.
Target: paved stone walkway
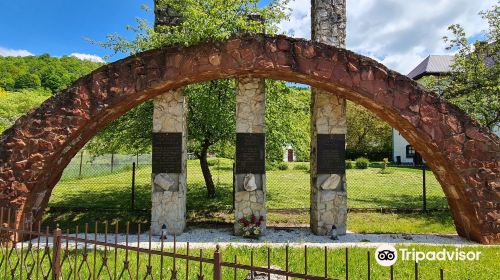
295 237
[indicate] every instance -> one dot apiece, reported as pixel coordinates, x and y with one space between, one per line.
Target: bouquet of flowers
250 226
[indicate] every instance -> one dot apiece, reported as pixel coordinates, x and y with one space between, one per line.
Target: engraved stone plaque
167 153
331 154
250 153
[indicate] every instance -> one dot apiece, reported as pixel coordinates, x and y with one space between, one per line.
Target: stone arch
464 156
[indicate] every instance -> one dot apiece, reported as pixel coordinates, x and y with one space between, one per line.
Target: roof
432 65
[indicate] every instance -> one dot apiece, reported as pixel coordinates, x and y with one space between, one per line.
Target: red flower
254 219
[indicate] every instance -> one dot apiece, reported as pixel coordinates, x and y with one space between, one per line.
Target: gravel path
207 238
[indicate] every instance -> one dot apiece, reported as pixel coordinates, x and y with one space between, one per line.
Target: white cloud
11 52
90 57
398 33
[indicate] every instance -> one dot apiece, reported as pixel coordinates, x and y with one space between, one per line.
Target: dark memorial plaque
250 153
331 154
167 153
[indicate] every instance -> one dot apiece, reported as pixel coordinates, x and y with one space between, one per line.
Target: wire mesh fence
113 182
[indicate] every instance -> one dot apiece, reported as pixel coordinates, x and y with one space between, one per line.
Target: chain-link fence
124 182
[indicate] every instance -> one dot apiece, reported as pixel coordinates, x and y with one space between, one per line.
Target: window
410 151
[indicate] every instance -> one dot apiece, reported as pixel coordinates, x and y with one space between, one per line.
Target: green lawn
99 187
486 268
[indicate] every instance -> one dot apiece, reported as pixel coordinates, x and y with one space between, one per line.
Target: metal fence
58 254
125 183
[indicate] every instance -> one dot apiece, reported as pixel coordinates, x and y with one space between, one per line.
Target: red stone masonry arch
464 156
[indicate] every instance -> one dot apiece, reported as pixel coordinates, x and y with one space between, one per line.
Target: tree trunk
206 170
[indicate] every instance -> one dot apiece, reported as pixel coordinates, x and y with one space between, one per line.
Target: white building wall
399 147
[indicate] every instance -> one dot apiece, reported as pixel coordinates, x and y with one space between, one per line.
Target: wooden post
56 260
217 264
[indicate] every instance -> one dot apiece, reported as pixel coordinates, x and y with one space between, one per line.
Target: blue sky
398 33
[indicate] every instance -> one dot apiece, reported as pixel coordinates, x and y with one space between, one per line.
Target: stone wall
250 189
464 156
169 189
328 117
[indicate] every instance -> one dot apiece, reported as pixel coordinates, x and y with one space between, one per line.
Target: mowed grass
368 188
101 189
485 268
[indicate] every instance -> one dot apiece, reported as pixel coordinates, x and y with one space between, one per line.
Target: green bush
348 164
270 166
283 166
301 166
212 161
362 163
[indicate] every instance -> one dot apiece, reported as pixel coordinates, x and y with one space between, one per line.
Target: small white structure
402 151
289 154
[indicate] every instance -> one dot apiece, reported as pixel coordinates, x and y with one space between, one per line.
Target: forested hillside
25 82
42 72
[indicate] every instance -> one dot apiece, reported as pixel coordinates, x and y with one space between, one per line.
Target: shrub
348 164
301 166
362 163
271 166
283 166
212 161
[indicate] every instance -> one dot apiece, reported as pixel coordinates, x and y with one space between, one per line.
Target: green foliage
15 104
131 135
474 83
301 166
287 121
362 163
271 166
383 167
36 72
366 133
27 81
211 114
348 164
283 166
209 20
212 161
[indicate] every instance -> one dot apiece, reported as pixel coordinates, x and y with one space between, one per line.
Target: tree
28 80
15 104
366 134
44 71
287 120
211 120
208 20
474 83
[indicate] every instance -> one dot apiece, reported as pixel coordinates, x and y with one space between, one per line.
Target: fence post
112 162
424 190
133 186
81 164
56 260
234 185
217 264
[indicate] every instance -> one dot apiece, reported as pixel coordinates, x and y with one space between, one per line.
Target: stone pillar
328 130
169 163
250 177
168 179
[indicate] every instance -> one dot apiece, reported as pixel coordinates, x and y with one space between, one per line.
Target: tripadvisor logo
387 255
